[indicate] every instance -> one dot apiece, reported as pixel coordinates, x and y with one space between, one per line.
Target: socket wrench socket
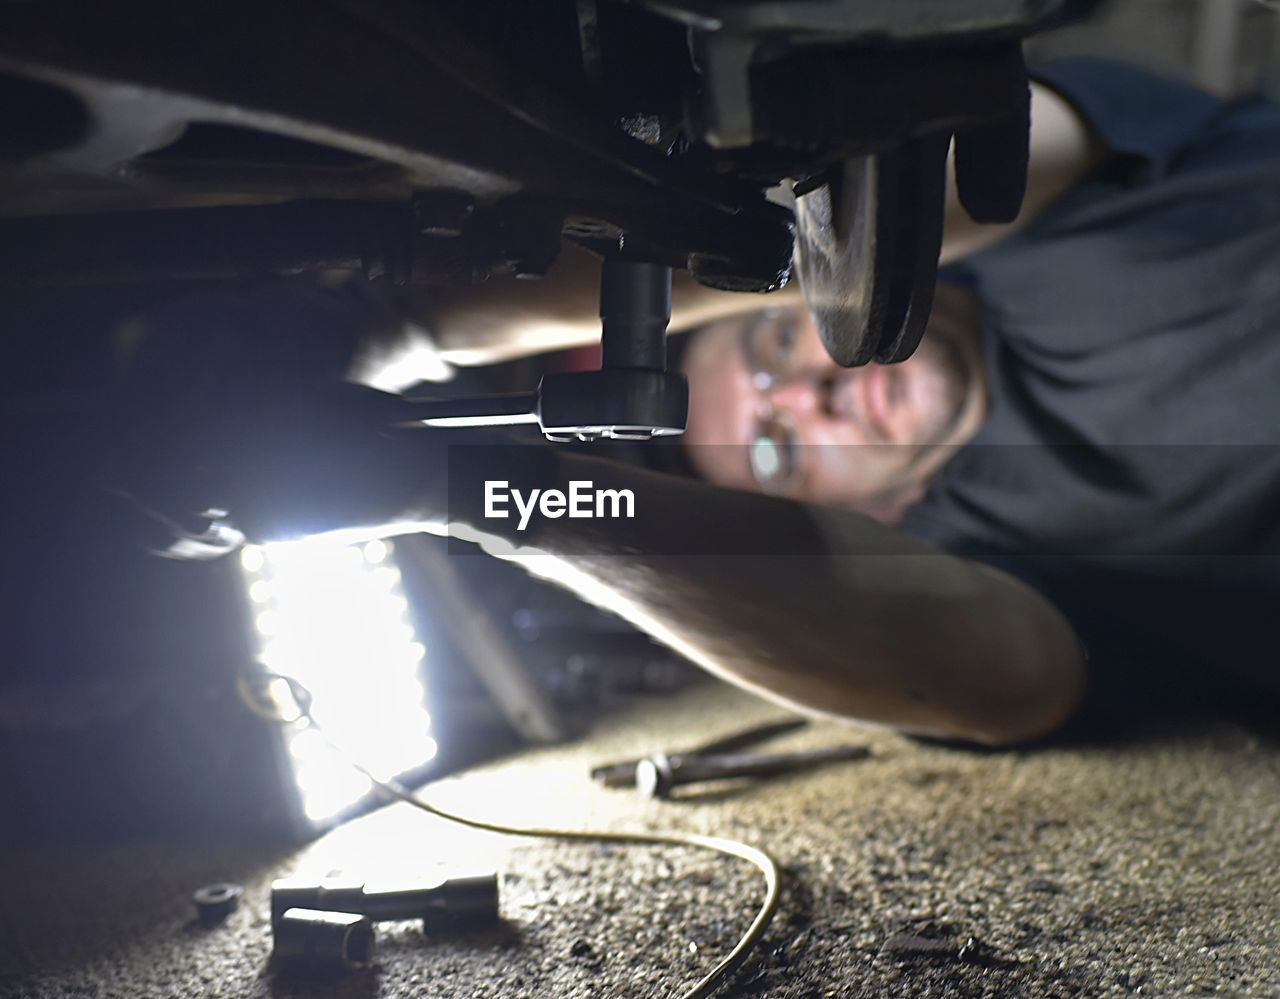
323 940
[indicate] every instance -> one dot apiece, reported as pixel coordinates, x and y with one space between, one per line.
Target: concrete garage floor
1140 869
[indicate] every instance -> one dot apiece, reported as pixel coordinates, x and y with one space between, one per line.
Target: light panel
334 618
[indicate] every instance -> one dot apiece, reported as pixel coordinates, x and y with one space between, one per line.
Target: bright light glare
333 617
420 362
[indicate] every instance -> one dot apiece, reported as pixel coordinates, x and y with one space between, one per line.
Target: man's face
770 411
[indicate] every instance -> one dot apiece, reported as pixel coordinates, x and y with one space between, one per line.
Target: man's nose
801 397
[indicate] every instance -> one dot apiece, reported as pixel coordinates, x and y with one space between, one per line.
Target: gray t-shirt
1130 464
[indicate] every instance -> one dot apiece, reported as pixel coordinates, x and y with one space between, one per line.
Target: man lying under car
1068 500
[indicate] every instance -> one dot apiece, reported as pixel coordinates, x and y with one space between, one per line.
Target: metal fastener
216 901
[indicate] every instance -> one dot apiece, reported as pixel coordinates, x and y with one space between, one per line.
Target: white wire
767 866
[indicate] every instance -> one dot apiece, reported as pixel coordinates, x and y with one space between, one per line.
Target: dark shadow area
290 981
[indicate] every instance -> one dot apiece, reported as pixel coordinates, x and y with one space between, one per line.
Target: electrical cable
767 866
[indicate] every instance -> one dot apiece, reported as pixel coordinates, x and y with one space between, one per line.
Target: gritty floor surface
1147 868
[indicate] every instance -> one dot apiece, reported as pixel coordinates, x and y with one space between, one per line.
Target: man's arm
852 619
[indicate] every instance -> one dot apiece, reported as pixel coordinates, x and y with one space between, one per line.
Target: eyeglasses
768 344
772 453
767 347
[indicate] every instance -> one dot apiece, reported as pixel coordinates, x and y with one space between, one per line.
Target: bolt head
653 776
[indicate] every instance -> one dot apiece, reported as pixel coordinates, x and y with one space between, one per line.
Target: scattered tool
659 774
655 776
440 902
328 924
323 940
623 774
631 397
